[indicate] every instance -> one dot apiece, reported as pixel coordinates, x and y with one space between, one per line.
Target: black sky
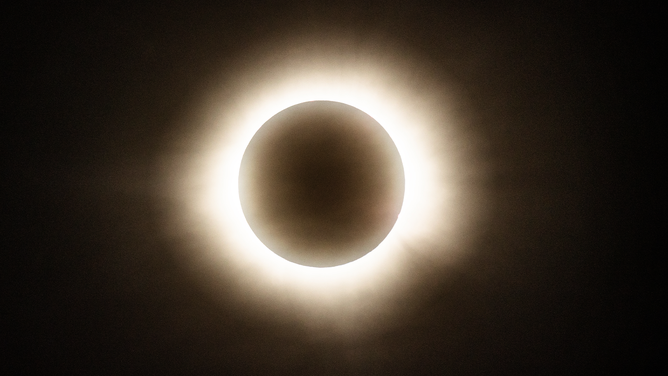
563 275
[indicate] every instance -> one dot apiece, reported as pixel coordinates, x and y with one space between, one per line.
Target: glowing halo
225 248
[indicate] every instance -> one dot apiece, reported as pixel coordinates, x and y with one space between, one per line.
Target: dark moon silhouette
321 183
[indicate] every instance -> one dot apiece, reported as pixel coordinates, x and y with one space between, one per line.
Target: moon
321 183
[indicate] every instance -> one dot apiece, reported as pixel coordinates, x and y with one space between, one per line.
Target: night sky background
563 278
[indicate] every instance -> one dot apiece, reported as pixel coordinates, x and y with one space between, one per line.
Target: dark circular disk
321 183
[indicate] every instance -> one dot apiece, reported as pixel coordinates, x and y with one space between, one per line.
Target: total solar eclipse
321 183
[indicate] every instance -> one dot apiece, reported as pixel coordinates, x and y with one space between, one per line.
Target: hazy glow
221 201
216 226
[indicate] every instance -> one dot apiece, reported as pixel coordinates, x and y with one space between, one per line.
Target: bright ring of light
215 224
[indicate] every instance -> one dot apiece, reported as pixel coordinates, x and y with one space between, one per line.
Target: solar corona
317 182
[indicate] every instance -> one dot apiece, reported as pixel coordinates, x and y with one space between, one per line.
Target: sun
222 202
414 115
